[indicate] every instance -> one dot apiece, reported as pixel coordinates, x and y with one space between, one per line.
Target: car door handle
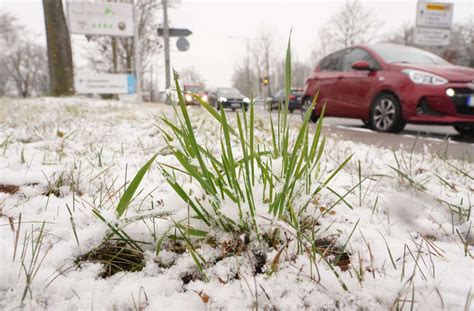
339 77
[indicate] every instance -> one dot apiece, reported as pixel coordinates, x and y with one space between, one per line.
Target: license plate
470 101
235 105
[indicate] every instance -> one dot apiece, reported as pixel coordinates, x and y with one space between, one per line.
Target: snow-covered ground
406 227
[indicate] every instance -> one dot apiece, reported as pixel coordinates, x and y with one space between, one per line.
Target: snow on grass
403 219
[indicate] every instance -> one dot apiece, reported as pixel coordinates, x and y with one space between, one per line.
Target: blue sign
131 84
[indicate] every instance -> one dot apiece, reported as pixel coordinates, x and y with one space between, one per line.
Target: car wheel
466 129
307 102
233 109
385 114
291 110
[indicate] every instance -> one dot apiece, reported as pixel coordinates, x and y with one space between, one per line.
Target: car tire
307 102
386 114
466 129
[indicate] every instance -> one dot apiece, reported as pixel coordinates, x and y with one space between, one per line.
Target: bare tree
28 68
190 75
9 29
23 62
352 24
59 49
299 73
240 78
264 56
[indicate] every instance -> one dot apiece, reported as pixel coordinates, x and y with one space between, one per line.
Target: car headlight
188 97
204 98
421 77
222 99
246 100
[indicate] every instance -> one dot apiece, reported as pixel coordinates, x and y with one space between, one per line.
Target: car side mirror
361 65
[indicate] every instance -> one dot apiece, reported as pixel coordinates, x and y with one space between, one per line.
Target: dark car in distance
294 99
388 85
228 97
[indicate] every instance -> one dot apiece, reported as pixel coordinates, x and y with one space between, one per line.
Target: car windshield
228 92
297 92
392 53
194 88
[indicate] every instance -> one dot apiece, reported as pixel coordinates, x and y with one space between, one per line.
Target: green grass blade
128 194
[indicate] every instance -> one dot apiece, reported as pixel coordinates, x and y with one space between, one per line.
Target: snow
85 150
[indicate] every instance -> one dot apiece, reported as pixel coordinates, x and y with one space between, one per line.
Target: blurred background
233 43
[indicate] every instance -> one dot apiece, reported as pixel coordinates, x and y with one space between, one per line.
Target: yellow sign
436 7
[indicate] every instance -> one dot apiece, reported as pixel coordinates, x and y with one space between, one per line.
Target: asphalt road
441 140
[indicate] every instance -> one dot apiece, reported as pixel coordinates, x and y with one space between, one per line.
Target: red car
189 90
388 85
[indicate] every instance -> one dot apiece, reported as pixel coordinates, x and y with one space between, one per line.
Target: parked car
228 97
294 99
389 85
189 90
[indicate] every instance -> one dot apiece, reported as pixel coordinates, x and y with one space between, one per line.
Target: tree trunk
59 49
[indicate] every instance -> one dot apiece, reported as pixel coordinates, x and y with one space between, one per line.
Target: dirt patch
334 254
10 189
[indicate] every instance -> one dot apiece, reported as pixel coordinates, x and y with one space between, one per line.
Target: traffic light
266 80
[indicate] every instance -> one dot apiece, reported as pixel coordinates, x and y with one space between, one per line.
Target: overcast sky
214 54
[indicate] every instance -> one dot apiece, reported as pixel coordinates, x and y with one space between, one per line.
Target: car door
278 98
326 79
354 88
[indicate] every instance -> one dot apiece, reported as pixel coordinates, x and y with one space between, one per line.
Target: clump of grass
32 257
287 169
115 257
231 179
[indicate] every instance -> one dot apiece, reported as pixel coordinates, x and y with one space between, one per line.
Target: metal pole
136 45
248 69
166 38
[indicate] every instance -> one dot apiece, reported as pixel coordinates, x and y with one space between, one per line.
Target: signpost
100 83
176 32
182 44
434 15
433 23
104 19
431 36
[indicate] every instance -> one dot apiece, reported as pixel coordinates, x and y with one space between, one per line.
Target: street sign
182 44
431 36
434 14
95 83
109 19
176 32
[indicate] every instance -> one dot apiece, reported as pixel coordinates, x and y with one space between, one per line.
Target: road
441 140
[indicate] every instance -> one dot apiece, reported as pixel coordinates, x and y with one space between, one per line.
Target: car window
392 53
297 92
279 93
332 62
353 55
228 92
